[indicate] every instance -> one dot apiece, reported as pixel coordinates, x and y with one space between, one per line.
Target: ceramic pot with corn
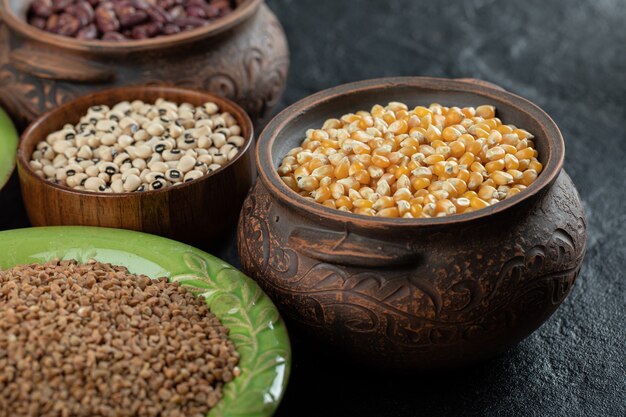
401 268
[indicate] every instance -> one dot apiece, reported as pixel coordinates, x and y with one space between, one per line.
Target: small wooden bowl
414 294
198 212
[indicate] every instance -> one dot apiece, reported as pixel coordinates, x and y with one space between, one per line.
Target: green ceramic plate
8 147
254 322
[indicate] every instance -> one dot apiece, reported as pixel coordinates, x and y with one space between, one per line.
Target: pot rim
555 147
242 13
23 156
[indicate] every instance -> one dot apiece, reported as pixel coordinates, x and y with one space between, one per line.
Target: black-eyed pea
172 164
73 169
61 145
92 171
158 166
186 142
104 177
213 150
157 184
186 164
224 131
220 158
172 155
128 173
40 173
139 164
121 159
211 108
155 158
204 142
125 141
94 184
173 175
161 146
117 185
204 122
235 130
109 168
143 151
68 133
207 159
59 161
226 148
214 167
86 163
201 166
186 122
84 152
70 152
132 183
218 139
104 125
93 142
155 129
108 139
42 146
126 167
237 141
176 130
82 140
200 151
76 180
193 175
105 153
229 119
141 135
36 165
232 154
203 130
49 154
37 155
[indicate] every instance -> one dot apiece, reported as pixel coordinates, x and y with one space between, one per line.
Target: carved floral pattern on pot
499 285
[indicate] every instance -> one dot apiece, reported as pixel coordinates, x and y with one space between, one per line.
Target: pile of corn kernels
431 161
137 146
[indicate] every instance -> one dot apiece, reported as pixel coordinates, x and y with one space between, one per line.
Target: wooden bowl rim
242 13
23 157
271 179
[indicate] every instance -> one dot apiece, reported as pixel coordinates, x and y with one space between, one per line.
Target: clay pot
200 212
414 294
242 56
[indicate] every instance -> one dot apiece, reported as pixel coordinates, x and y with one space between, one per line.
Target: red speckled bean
42 8
83 11
106 19
124 19
68 25
88 32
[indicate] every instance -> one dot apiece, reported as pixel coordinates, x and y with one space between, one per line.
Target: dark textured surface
567 56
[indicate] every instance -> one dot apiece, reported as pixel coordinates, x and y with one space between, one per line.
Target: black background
569 57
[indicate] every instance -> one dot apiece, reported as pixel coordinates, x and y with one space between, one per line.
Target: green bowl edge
256 328
8 147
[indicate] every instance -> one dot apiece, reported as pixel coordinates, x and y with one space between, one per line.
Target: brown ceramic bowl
414 293
198 212
242 56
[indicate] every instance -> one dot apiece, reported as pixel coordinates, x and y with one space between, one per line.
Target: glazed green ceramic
8 147
255 325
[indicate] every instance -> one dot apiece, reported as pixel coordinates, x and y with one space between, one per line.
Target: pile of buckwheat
94 340
137 146
431 161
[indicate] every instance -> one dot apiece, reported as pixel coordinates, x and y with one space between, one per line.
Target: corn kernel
426 162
